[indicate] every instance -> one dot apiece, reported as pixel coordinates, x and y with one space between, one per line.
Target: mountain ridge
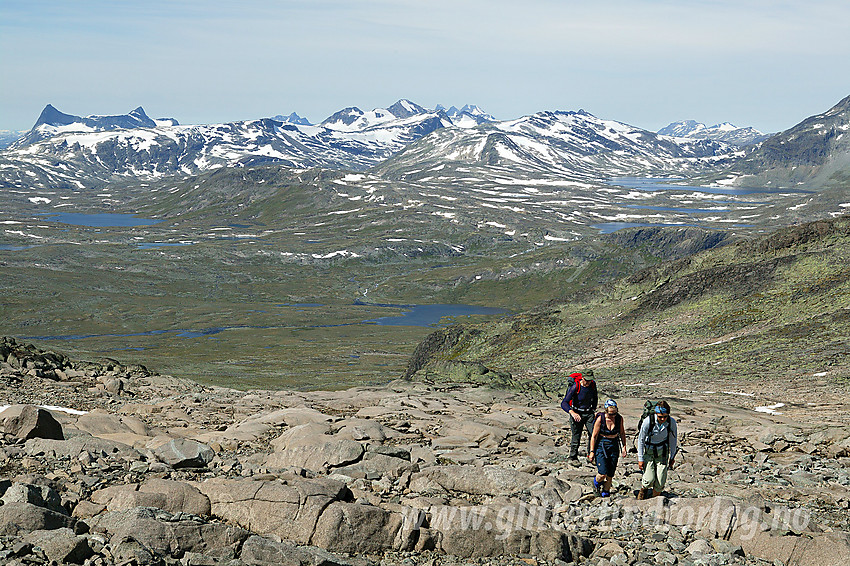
811 151
726 132
63 150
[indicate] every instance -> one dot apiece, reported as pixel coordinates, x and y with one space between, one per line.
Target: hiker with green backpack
657 446
607 444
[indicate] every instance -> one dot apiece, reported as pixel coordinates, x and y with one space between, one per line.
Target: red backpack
577 381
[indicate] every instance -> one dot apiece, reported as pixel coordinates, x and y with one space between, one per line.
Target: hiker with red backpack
580 402
657 447
607 444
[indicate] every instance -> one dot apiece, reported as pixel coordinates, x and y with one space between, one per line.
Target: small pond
99 220
663 184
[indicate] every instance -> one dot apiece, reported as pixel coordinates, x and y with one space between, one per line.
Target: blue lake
611 227
663 184
412 315
10 248
154 245
429 315
99 220
674 209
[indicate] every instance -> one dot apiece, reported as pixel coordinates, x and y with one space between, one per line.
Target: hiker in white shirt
657 446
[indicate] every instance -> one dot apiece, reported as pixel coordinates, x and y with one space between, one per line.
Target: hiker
607 443
657 446
580 402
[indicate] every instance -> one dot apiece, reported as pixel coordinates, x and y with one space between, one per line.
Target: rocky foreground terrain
124 466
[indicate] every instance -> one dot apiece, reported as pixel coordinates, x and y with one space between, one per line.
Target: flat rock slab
486 480
289 510
266 551
73 447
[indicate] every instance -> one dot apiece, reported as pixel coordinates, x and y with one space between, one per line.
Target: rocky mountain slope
126 466
759 312
811 154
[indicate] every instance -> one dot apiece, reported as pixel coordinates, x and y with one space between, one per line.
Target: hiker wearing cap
580 402
657 446
607 443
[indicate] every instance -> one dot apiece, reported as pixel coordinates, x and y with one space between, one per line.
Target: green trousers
655 471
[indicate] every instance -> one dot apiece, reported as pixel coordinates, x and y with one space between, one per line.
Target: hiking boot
605 494
574 462
597 487
642 493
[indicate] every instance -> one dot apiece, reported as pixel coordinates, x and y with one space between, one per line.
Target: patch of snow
19 233
770 409
740 393
37 200
52 408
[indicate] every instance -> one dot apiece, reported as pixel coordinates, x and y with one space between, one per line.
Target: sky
766 64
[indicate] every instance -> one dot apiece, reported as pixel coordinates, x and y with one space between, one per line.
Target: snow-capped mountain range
566 145
64 150
725 132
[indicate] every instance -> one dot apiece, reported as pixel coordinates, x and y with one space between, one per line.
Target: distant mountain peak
725 131
53 117
469 113
139 112
405 109
345 116
293 118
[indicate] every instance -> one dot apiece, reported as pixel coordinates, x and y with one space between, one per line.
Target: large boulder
167 534
309 446
19 517
168 495
289 510
498 530
29 421
39 495
358 529
61 545
184 453
363 429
